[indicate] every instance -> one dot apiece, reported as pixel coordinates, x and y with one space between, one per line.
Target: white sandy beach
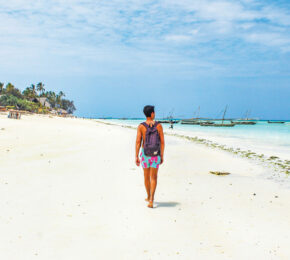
70 190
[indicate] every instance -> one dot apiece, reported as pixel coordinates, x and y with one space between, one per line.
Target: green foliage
68 105
14 92
40 88
1 87
11 90
12 96
51 96
28 93
22 104
9 87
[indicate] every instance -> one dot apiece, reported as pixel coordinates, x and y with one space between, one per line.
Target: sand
69 189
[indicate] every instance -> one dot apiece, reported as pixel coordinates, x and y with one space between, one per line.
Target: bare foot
147 199
150 205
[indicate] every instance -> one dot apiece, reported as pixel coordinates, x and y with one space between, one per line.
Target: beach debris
254 194
273 157
2 128
276 196
7 150
219 173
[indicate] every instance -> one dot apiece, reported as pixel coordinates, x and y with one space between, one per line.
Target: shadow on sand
166 204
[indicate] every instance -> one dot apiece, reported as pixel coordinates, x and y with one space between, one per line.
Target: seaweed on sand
219 173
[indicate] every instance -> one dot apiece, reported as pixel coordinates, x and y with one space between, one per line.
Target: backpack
152 140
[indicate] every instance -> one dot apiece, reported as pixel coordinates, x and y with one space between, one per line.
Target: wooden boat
219 125
187 122
164 121
276 122
192 121
196 122
168 121
243 122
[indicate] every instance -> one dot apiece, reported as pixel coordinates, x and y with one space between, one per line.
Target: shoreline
277 164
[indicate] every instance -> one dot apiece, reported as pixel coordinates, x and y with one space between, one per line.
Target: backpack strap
144 124
147 126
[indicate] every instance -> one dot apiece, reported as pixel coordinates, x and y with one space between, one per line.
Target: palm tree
32 87
58 100
61 94
9 87
28 93
40 88
51 97
1 87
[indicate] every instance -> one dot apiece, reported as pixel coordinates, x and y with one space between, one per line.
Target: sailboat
169 119
196 120
276 122
191 121
244 121
219 125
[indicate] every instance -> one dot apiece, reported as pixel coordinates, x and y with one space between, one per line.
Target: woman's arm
162 142
138 145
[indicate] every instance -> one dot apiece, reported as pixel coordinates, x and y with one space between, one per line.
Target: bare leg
147 182
153 184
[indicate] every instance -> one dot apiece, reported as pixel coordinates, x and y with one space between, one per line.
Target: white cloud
131 31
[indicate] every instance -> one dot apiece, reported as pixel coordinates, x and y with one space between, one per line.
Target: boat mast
224 114
249 112
197 115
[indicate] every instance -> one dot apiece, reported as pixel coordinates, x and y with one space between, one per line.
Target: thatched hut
62 112
43 101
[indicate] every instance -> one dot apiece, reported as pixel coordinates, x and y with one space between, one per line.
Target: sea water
262 138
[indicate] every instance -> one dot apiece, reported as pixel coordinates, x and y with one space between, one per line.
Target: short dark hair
148 110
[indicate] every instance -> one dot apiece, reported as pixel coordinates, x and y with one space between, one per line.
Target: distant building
62 112
43 101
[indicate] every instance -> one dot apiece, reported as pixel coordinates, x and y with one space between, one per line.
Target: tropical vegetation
29 99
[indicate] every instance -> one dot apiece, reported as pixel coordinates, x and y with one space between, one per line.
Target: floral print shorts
149 161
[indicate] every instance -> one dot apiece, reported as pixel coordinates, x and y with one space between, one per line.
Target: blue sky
114 57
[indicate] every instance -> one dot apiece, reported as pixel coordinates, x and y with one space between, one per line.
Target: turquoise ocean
265 138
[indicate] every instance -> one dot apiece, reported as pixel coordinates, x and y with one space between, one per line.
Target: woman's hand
137 161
